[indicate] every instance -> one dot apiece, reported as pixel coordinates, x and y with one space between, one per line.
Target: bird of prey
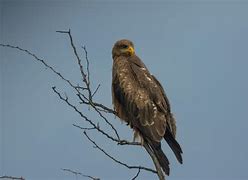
140 101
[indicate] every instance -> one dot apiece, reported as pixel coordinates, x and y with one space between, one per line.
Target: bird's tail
174 145
161 157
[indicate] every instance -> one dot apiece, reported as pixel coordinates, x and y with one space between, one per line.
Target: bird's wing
140 98
171 120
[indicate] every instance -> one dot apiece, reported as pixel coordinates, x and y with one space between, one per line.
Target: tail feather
161 157
174 145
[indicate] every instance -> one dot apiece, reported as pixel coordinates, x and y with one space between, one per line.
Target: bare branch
119 142
83 128
66 100
100 114
106 120
104 108
65 32
83 116
117 161
40 60
79 61
86 79
80 87
79 173
12 177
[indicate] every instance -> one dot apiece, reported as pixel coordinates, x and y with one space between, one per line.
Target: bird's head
123 47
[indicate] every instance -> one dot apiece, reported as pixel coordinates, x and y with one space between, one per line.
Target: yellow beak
131 50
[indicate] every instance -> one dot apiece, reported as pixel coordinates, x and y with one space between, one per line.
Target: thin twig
82 115
83 128
79 87
96 90
101 115
12 177
79 173
104 108
136 175
79 61
87 63
40 60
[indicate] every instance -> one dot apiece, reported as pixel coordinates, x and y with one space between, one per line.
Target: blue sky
197 49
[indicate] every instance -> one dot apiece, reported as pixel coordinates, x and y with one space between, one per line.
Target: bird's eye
124 46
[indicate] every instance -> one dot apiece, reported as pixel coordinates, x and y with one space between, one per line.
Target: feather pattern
135 90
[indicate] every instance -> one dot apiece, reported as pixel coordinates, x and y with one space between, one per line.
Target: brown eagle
140 100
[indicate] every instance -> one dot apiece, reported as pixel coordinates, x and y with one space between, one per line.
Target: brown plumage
140 100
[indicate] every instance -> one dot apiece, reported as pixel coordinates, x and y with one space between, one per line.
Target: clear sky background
197 49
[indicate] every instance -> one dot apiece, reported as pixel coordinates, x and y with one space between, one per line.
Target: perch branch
117 161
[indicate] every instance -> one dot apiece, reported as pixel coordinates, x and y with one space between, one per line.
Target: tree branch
79 61
12 177
87 63
86 79
79 173
117 161
65 99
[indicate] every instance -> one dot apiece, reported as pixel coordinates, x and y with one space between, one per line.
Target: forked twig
86 80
